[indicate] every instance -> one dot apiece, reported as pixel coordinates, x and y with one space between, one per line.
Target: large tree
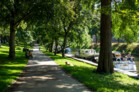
105 63
71 15
14 11
70 12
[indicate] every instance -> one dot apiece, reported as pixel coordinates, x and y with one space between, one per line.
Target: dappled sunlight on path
42 74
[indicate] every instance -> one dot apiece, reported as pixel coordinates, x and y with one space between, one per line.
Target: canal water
136 58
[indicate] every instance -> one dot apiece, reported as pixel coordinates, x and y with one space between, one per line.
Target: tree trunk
4 40
8 39
25 45
12 41
51 47
118 40
0 40
17 42
105 63
56 44
64 44
96 39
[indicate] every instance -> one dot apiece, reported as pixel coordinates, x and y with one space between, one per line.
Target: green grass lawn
87 74
9 69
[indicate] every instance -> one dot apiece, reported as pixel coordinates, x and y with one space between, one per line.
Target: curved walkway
42 74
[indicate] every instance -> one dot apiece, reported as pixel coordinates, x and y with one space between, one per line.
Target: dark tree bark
66 37
17 42
51 46
118 40
12 41
0 40
14 11
64 44
4 39
105 63
56 44
25 45
96 39
12 34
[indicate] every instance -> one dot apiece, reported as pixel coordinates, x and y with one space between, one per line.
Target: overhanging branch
26 15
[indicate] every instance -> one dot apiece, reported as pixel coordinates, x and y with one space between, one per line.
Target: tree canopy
70 23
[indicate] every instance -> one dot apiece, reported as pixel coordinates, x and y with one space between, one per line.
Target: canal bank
133 48
131 74
85 73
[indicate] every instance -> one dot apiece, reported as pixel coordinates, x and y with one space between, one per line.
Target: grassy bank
133 47
87 74
9 69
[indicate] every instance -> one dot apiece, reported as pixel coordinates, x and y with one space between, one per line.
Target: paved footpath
42 74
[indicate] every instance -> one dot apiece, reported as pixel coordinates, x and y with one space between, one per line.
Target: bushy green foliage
125 21
25 36
80 38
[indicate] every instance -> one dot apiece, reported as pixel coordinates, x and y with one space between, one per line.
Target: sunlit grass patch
9 69
87 74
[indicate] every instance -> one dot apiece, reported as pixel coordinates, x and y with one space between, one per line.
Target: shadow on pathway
42 74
